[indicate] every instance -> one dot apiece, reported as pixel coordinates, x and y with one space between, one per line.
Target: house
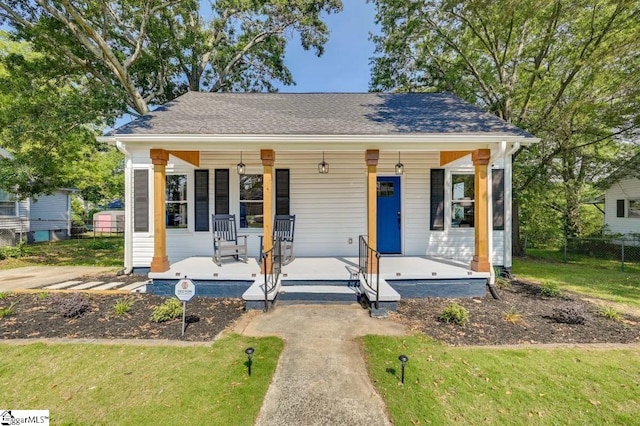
423 176
622 206
47 217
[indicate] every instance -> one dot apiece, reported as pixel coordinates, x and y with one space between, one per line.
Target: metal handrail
369 270
271 275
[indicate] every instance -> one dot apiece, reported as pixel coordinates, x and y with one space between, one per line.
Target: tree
152 50
564 71
49 121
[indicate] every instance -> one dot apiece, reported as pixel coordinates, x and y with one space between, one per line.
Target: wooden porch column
160 261
480 262
371 157
268 157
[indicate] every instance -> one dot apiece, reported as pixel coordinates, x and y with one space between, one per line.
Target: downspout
128 211
492 274
508 209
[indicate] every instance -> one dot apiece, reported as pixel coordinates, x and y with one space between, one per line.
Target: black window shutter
282 191
202 200
620 208
221 191
497 180
437 200
141 201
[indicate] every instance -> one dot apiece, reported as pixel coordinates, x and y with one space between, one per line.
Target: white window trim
190 200
448 197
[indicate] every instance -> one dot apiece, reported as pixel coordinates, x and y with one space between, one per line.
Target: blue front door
389 215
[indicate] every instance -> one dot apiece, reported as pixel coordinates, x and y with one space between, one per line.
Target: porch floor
321 268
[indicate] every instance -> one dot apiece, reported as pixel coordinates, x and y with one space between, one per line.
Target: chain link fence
621 250
55 230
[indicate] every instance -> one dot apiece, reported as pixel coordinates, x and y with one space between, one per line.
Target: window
7 204
385 189
462 200
634 209
176 201
251 215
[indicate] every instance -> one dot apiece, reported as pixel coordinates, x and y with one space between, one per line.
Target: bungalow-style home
424 178
47 217
622 206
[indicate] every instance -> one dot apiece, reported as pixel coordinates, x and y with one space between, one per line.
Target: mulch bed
537 322
37 317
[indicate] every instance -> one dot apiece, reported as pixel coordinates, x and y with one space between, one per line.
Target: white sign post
185 289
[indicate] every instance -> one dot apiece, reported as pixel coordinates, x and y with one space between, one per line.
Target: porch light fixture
249 352
241 166
399 166
323 168
403 361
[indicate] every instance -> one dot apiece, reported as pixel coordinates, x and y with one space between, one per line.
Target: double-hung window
7 204
634 209
176 202
462 200
251 201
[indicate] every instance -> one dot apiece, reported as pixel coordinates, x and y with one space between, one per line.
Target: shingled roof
196 113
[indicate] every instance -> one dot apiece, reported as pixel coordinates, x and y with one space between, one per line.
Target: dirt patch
534 319
36 316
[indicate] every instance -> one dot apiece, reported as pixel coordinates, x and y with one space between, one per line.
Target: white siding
622 190
330 209
50 212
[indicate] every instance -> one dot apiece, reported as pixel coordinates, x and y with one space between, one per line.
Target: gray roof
196 113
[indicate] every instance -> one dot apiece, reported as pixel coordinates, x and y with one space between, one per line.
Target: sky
344 66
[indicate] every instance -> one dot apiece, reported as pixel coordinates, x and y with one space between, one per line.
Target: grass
99 251
456 385
588 276
133 385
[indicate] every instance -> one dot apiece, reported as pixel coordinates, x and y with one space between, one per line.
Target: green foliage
455 313
552 68
170 309
123 306
14 252
42 295
503 283
610 313
550 289
513 316
8 310
4 294
70 305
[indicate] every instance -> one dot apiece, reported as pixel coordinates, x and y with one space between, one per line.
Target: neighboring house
47 217
193 144
622 206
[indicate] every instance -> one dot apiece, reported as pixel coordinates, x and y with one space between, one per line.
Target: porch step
333 291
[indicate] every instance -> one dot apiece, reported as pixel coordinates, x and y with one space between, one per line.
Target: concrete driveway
321 378
38 276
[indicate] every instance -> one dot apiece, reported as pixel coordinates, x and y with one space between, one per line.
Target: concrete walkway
321 378
37 276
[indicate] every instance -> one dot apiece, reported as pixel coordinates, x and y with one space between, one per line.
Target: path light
403 360
249 352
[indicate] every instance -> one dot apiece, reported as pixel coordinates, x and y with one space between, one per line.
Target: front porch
325 279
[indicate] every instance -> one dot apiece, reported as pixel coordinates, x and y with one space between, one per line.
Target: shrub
170 309
569 314
503 283
549 289
123 305
70 306
513 316
610 313
9 310
455 313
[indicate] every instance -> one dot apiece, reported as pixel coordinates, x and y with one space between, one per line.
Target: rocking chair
283 230
225 238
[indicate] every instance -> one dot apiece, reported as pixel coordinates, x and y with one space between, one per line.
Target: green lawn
588 276
135 385
99 251
457 385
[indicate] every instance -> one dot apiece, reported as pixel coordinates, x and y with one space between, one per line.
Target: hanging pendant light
323 168
241 166
399 166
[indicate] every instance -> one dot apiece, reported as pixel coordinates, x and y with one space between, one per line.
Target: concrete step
317 293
